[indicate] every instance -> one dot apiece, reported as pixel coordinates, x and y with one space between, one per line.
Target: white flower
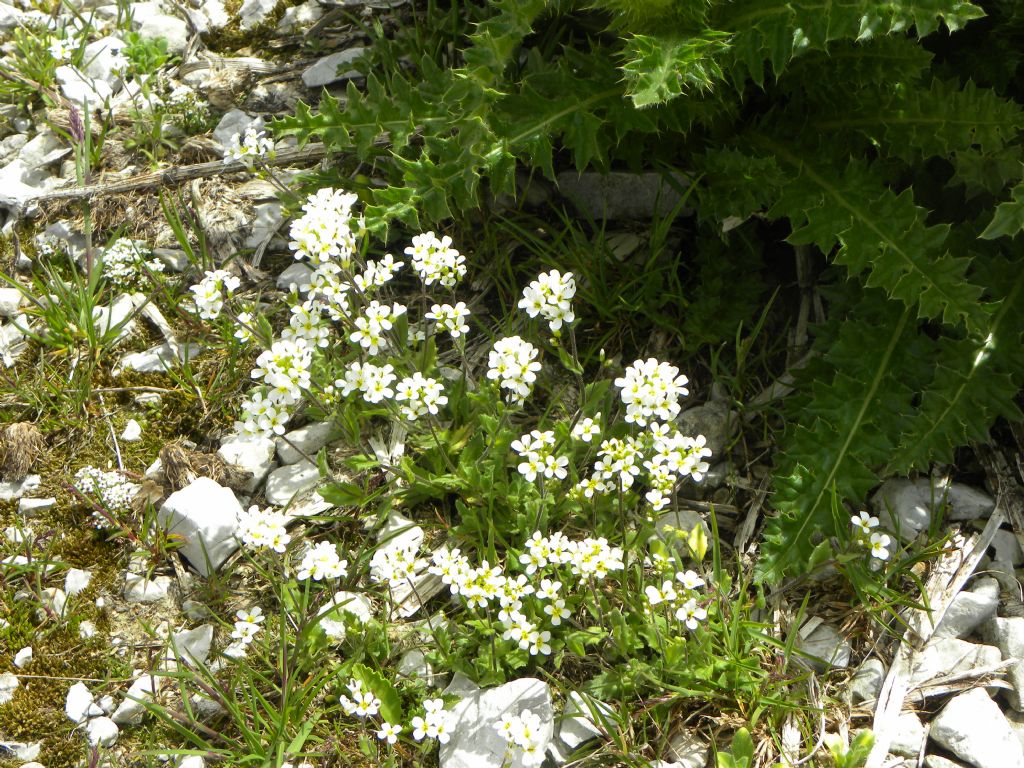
321 562
690 580
419 396
512 363
650 388
435 261
61 50
879 545
263 529
249 146
125 261
691 614
389 732
864 522
587 429
327 231
450 318
550 296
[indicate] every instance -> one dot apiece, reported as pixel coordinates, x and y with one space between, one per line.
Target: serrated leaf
1008 220
658 69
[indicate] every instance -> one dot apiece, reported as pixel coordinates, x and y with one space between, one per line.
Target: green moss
232 38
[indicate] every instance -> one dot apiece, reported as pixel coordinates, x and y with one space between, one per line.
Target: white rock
943 655
103 59
102 732
253 453
191 761
827 646
326 70
297 274
10 301
157 359
461 686
972 728
86 629
150 21
118 318
139 589
80 704
23 657
12 340
969 610
174 259
254 12
8 684
906 505
192 646
132 431
414 664
1009 635
30 506
286 482
132 709
475 743
10 17
15 489
305 440
205 515
55 599
89 94
235 121
936 761
578 724
299 17
1007 548
907 736
714 420
399 532
333 623
268 220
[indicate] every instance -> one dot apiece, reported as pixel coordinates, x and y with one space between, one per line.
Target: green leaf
659 69
1008 220
743 746
390 702
344 494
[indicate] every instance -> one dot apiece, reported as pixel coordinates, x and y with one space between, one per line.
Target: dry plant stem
948 576
172 176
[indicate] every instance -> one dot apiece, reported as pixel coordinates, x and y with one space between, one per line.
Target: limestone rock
205 514
972 728
305 441
332 68
253 453
286 482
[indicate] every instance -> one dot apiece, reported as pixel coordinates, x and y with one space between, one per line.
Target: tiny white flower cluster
112 490
247 624
60 50
378 273
419 396
285 372
651 389
372 381
535 450
522 732
450 318
325 233
395 564
683 601
875 541
127 260
363 703
321 561
371 326
208 293
550 296
263 529
435 261
436 722
248 147
306 324
512 362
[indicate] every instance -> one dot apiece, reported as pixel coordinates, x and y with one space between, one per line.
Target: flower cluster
550 296
675 456
112 490
436 722
373 323
450 318
651 389
512 362
522 732
875 541
285 372
208 293
306 324
435 261
60 49
263 529
536 452
248 147
363 702
682 601
247 624
372 381
377 273
325 233
419 396
396 564
586 558
127 260
321 561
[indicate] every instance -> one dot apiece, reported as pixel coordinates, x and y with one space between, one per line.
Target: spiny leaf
658 69
1009 217
877 231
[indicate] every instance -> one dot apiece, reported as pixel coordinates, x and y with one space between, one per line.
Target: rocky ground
125 619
